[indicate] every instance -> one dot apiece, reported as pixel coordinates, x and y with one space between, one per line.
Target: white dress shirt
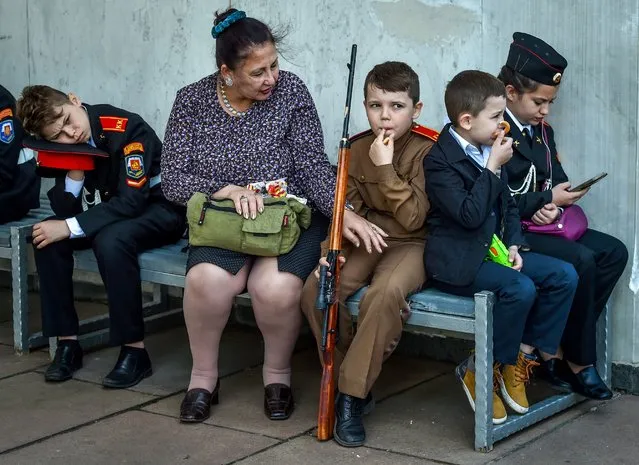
75 187
479 156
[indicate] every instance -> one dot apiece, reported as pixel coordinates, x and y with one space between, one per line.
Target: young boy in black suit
470 203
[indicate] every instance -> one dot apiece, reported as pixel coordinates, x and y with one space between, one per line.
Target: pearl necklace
228 105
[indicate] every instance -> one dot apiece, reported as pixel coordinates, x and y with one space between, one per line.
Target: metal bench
13 241
435 310
163 267
431 311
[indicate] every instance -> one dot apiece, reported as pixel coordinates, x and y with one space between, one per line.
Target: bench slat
429 301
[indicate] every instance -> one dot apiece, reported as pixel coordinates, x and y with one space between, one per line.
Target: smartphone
588 183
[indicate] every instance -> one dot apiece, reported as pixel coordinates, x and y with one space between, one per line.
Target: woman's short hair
234 43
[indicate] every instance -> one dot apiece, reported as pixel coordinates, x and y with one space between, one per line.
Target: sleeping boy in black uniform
117 209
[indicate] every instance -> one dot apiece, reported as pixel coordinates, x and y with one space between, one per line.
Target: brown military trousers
383 309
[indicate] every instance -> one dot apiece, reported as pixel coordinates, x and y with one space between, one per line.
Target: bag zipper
207 205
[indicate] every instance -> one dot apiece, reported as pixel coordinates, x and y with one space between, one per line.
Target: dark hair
393 76
38 106
468 91
521 83
234 43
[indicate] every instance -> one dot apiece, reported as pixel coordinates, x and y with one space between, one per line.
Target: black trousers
599 260
531 306
116 249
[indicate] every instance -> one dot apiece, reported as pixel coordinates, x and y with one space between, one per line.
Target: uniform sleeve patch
134 166
6 113
133 147
136 184
7 133
113 123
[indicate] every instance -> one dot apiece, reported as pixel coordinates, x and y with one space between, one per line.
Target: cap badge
556 78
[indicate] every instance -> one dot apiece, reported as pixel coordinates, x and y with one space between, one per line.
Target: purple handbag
571 225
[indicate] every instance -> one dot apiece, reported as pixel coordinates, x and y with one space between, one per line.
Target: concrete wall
137 53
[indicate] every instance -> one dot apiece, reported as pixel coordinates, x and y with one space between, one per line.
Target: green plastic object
498 253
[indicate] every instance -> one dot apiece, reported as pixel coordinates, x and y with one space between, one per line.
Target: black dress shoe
67 359
589 384
133 366
557 373
349 426
196 405
278 401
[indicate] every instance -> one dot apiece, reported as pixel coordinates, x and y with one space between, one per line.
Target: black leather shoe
67 359
589 384
196 405
349 426
557 373
133 366
278 401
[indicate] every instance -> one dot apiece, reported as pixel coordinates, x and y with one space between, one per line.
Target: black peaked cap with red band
55 159
535 59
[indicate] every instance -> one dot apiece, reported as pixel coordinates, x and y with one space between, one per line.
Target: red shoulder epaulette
360 135
113 123
545 123
426 132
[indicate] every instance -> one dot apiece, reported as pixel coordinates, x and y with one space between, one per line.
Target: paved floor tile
171 358
434 421
607 434
138 438
307 450
32 409
242 395
10 363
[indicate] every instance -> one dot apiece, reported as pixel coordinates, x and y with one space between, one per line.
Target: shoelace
496 377
523 369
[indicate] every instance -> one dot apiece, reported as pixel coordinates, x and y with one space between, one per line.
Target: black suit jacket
462 217
123 179
523 157
19 185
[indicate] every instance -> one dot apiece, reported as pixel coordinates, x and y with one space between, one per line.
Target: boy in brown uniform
385 186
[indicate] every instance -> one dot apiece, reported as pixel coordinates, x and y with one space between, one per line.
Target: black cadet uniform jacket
19 184
524 156
462 217
123 180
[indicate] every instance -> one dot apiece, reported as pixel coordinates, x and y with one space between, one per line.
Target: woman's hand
247 203
515 258
561 197
356 229
547 214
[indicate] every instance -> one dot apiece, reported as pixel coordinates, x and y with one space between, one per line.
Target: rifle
327 300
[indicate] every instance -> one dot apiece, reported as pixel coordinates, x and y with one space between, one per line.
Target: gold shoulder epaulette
360 135
426 132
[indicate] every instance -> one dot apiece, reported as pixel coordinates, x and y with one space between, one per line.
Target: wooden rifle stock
327 298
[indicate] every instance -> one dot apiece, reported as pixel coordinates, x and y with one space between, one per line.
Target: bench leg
604 359
160 302
484 371
20 288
